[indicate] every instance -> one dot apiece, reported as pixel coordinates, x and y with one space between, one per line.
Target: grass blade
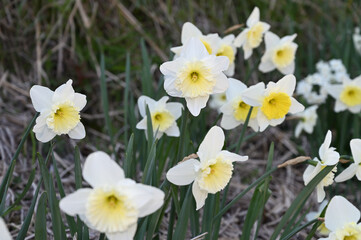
40 220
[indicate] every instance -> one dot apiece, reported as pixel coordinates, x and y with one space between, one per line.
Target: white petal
4 232
355 145
355 109
334 90
175 109
236 87
45 135
296 107
217 64
289 69
142 124
271 40
266 66
41 97
228 122
230 71
263 121
247 51
171 68
347 174
188 31
253 18
183 173
99 170
233 156
325 145
358 173
195 105
221 83
64 92
241 38
339 106
212 144
287 84
75 203
173 130
79 101
339 212
320 193
143 101
199 195
128 234
253 95
275 122
289 38
194 49
161 103
78 132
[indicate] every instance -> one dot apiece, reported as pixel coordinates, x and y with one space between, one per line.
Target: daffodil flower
280 53
195 75
328 157
347 95
211 173
274 102
211 41
217 101
235 110
59 112
341 219
355 167
115 203
4 232
322 229
163 115
251 37
227 48
308 120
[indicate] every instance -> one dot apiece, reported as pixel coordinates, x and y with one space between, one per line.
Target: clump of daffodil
347 95
308 120
341 219
235 110
227 48
273 102
252 36
210 41
328 157
4 232
163 115
59 112
355 168
195 75
322 229
280 53
115 203
211 173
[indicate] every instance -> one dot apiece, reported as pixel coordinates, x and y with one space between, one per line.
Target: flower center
215 175
351 96
195 80
241 109
110 211
63 118
162 120
283 56
254 35
226 50
276 105
208 46
351 231
328 180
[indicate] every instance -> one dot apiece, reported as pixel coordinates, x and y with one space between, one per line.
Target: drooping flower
211 173
355 167
328 157
280 53
274 102
322 229
195 75
115 203
308 120
341 219
4 232
251 37
347 95
235 110
163 115
227 48
59 112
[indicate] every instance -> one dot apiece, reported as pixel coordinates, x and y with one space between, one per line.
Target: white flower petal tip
184 173
4 232
59 112
163 115
115 203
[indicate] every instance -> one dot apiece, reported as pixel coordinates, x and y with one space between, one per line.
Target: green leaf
296 230
77 168
127 165
182 224
40 221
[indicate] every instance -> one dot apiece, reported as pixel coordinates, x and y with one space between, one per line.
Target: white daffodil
274 102
341 219
251 37
280 53
195 75
226 48
355 167
347 95
322 229
211 41
356 37
312 88
4 232
328 157
217 101
115 203
212 173
308 120
163 115
235 110
59 112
